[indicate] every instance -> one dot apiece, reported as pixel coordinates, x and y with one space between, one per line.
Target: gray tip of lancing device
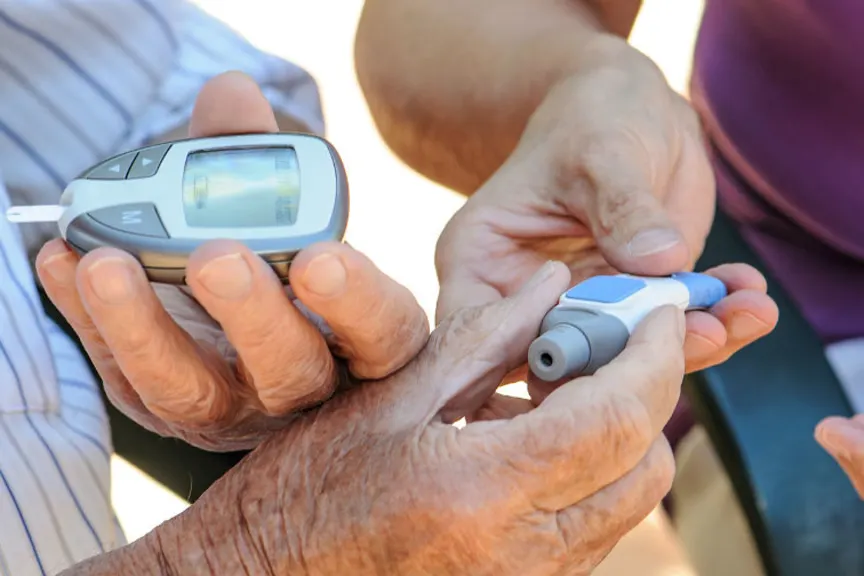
561 351
575 342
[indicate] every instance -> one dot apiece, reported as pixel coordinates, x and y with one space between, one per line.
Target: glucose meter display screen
241 188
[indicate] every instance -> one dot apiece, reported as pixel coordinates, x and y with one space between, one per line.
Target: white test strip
46 213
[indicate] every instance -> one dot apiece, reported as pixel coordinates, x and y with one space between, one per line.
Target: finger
605 422
231 103
735 322
285 360
160 360
377 324
468 355
56 266
743 317
500 407
460 287
631 225
746 315
706 338
739 277
595 525
844 440
690 201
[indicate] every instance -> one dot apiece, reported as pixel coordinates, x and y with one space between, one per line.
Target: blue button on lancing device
606 289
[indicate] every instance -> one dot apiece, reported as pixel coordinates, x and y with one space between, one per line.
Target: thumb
470 353
632 228
231 103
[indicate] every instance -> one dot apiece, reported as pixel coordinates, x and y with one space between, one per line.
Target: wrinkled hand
225 366
843 438
610 175
376 482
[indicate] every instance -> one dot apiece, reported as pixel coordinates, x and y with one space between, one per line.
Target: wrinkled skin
376 482
610 175
843 438
226 361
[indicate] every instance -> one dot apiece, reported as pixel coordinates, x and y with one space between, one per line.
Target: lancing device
276 193
593 320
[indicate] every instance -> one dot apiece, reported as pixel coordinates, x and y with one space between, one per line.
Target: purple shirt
780 86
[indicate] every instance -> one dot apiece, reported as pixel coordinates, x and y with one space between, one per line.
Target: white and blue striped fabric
81 80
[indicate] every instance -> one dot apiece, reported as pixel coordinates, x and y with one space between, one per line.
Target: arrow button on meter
112 169
148 161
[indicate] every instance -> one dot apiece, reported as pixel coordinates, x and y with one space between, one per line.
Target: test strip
46 213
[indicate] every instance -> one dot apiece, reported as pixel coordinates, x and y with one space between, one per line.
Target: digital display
241 188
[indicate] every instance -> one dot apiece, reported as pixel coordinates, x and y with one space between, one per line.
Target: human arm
224 369
148 350
451 84
570 140
377 481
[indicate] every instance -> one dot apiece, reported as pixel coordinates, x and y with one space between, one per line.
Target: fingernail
227 277
744 325
547 270
50 266
697 347
325 275
653 241
111 280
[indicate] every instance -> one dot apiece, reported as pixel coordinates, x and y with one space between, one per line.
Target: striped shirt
81 80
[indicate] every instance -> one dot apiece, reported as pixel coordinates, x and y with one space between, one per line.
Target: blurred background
319 37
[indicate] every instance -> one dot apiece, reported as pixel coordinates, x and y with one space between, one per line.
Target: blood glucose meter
593 320
276 193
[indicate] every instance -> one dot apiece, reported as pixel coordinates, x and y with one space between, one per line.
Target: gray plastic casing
164 259
575 342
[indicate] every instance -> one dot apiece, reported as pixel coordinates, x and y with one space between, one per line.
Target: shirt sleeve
206 47
55 442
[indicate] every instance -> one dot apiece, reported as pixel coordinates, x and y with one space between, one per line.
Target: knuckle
394 344
628 422
662 467
260 329
282 386
468 330
135 344
192 400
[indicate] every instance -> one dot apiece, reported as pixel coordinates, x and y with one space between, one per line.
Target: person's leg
185 470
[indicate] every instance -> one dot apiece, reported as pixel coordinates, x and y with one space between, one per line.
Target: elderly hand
610 175
843 438
377 482
224 369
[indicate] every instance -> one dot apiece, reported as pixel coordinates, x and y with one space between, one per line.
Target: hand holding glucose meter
276 193
593 320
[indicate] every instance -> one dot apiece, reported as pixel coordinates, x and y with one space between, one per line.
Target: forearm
141 558
241 525
451 84
183 545
208 539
